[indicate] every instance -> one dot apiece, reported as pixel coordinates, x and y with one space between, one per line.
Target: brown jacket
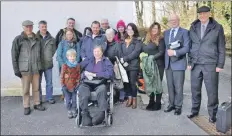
70 77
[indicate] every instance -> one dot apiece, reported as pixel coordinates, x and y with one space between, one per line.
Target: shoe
169 108
70 114
98 119
129 102
177 112
150 106
27 111
39 107
212 120
86 119
51 101
192 115
74 113
134 103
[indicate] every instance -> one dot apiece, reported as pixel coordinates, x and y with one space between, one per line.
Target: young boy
70 77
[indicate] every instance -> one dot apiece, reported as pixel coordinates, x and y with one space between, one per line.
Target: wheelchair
108 121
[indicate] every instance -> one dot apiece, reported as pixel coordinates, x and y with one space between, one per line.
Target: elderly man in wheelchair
96 71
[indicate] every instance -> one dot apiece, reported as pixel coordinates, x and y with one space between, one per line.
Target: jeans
49 85
70 99
131 88
122 94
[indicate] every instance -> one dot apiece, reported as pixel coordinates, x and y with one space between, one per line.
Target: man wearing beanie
206 60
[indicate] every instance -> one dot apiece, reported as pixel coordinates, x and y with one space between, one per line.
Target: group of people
92 55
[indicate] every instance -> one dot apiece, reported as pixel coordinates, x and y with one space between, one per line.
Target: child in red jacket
70 78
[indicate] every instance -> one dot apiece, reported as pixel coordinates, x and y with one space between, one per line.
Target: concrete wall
55 13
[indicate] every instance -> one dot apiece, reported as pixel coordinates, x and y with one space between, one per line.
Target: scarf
70 64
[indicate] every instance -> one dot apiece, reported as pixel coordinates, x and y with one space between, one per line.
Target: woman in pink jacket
121 27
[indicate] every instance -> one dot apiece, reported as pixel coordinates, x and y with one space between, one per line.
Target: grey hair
98 46
104 19
42 22
71 52
110 31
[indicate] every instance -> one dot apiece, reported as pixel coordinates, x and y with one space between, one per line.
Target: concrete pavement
126 120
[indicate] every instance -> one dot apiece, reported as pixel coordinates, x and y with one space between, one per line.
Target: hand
218 69
121 60
170 52
18 75
189 67
125 64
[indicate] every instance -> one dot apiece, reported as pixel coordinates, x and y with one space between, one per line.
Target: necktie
202 31
172 39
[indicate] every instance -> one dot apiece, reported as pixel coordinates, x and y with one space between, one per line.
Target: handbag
117 82
95 81
122 71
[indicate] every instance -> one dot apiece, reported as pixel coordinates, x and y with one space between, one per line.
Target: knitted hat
121 23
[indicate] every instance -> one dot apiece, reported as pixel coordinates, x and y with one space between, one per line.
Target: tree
139 12
153 11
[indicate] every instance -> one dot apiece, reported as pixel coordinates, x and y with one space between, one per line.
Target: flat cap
27 23
203 9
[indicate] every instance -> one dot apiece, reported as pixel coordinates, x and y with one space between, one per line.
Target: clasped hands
89 75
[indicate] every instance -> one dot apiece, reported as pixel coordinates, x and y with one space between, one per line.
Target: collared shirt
175 32
206 24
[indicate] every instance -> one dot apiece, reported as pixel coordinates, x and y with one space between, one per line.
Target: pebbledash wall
55 13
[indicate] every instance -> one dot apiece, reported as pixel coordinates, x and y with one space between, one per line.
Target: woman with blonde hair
154 45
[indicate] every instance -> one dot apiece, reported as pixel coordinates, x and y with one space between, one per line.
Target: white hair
71 52
110 31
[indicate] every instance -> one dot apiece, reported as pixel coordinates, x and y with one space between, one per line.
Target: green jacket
26 54
48 50
151 74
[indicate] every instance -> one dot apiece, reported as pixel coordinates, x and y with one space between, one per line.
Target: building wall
55 13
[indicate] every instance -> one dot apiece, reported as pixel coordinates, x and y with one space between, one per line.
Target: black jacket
60 34
130 54
211 48
157 51
111 51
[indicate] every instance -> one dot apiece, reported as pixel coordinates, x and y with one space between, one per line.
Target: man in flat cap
26 60
206 60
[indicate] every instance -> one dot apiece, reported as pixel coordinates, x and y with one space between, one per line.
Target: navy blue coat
183 36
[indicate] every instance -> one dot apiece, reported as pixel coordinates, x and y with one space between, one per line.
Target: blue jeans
70 98
122 94
49 85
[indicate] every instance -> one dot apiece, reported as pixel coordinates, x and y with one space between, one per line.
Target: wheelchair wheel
78 120
109 120
111 98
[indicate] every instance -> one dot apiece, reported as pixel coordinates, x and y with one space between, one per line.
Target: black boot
151 104
157 105
27 111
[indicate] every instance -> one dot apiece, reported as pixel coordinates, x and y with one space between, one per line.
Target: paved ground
126 120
